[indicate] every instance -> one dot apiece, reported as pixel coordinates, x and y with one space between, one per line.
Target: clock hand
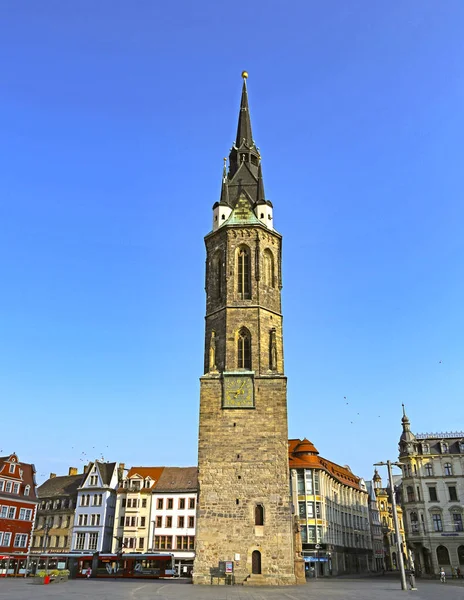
240 390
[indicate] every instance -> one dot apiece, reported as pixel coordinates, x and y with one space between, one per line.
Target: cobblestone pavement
328 589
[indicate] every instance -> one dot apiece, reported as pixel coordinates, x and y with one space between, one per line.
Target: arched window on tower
243 273
259 514
244 349
268 268
217 275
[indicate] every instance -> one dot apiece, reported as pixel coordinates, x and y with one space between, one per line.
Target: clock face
238 392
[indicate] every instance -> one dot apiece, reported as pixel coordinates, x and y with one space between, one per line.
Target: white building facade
95 510
433 499
174 515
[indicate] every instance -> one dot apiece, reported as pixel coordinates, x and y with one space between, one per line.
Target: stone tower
244 511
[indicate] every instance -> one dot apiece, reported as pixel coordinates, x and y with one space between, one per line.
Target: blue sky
115 117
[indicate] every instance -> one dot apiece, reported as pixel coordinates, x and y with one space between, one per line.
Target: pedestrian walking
88 573
442 575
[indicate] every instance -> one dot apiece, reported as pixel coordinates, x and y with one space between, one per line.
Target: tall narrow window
217 275
259 514
244 349
268 268
243 273
448 469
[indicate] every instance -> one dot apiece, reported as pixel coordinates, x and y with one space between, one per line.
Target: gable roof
106 471
178 479
26 477
153 473
65 485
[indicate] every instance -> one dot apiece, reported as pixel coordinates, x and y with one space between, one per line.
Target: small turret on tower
377 480
408 440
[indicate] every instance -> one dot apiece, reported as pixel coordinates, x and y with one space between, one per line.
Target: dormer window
254 160
425 448
27 489
262 216
223 217
12 468
461 447
444 448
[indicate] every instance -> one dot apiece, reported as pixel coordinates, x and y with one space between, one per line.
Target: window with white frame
3 512
22 514
20 540
2 483
16 488
8 485
80 541
93 541
1 538
11 512
12 468
27 489
6 538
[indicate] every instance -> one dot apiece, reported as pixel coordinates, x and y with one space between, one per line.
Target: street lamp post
389 464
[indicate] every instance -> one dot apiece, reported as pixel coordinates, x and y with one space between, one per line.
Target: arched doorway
461 555
256 562
443 556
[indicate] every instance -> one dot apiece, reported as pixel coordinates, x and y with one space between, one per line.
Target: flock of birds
378 416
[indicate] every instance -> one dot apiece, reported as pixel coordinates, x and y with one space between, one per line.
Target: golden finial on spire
225 161
245 74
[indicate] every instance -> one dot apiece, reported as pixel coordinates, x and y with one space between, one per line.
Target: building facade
433 498
332 508
18 503
55 513
95 510
174 515
378 553
244 513
134 523
385 508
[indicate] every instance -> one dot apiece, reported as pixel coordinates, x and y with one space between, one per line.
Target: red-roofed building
18 502
332 508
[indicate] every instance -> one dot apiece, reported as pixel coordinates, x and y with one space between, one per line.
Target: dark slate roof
65 485
244 122
178 479
106 471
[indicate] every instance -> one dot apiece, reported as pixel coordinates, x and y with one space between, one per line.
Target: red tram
130 565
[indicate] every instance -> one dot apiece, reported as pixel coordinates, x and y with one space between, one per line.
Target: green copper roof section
242 214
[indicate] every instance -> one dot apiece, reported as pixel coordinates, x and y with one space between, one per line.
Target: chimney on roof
52 475
72 471
86 468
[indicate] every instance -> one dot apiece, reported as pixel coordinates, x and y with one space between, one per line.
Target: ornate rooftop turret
407 439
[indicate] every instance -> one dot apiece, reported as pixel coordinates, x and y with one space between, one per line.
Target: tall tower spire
244 135
242 185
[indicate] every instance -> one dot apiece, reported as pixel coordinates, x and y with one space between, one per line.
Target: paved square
327 589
